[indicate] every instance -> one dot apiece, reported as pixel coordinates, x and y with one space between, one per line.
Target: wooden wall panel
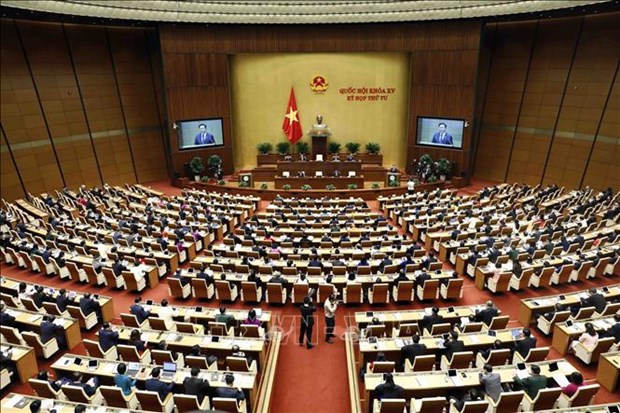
443 75
509 64
54 79
11 187
546 80
95 75
22 120
589 83
134 75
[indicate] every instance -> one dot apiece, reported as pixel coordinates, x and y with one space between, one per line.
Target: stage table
327 167
319 182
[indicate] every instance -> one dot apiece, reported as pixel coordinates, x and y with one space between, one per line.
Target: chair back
383 367
249 330
42 388
176 287
504 282
223 290
52 308
130 320
93 349
455 287
526 275
186 403
499 322
434 266
9 300
274 292
161 356
325 290
536 355
375 330
441 328
408 330
546 398
250 292
583 271
364 270
584 313
584 395
424 363
109 276
509 402
380 293
603 346
225 404
130 281
610 309
544 279
390 269
475 407
11 335
187 328
392 406
33 340
237 364
354 293
299 292
201 289
498 357
564 273
431 405
429 291
149 400
405 289
91 274
157 324
75 394
473 327
113 396
461 359
128 353
602 264
76 312
30 305
74 271
196 361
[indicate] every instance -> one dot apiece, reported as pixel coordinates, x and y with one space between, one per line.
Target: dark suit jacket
597 301
486 315
62 301
384 392
411 351
107 339
7 319
88 305
140 313
49 330
446 140
159 386
306 314
197 387
453 347
525 345
230 393
430 320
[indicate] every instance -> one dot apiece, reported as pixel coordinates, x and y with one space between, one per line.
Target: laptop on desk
133 369
169 370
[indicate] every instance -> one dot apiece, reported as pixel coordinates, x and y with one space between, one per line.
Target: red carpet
316 380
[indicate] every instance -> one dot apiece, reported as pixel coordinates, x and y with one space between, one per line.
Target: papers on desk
109 368
59 322
474 339
171 337
465 321
428 311
47 405
602 324
440 343
560 379
13 401
522 374
422 381
457 381
34 318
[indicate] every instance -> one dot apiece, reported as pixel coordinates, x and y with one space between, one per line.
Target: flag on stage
291 125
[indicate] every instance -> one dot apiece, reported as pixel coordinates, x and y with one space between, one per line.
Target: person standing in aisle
331 304
307 322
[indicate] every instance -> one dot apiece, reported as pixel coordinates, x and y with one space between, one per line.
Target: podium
319 145
392 179
246 179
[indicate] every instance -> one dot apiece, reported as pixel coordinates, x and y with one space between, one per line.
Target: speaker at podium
392 179
245 180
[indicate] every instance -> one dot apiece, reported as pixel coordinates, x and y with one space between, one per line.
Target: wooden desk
11 286
319 182
564 335
436 383
106 370
327 167
32 321
609 370
24 358
32 210
20 403
151 272
529 308
395 318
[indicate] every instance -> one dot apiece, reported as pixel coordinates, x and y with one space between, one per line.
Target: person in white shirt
167 313
331 305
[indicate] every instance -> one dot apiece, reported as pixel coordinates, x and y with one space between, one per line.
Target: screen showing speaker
200 133
440 132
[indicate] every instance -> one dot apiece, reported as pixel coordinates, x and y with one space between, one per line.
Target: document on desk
422 381
457 381
560 379
171 337
399 343
522 374
474 339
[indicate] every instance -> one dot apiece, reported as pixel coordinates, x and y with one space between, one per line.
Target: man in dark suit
137 310
277 278
307 322
614 331
453 345
384 262
430 320
46 254
195 386
420 278
49 330
108 338
90 305
229 392
528 342
6 319
441 136
156 385
205 276
203 137
90 387
62 301
411 351
486 314
39 296
118 268
596 300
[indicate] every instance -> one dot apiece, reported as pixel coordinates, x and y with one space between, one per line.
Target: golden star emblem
292 116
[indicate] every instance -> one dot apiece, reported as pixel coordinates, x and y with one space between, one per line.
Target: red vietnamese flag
291 125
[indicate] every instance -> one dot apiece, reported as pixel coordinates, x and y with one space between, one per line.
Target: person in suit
62 301
420 279
277 278
204 275
428 321
486 315
532 384
124 381
307 322
90 387
442 137
139 311
411 351
528 342
49 330
195 386
229 392
203 137
492 382
385 262
39 296
135 340
453 344
388 389
6 319
89 305
224 317
108 338
596 300
614 331
156 385
118 268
